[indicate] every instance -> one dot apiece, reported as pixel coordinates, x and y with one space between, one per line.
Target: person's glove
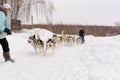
6 30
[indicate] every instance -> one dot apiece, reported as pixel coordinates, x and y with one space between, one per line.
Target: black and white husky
50 44
37 43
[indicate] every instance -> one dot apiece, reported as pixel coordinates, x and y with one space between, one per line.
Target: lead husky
37 44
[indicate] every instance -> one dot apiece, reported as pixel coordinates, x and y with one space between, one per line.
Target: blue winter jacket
3 24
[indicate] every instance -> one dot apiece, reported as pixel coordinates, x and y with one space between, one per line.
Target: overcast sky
100 12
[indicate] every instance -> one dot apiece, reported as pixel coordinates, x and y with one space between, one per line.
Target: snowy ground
97 59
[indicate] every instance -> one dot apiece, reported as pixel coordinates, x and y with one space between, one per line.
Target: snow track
97 59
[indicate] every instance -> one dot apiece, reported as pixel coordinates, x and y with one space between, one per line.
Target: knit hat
6 5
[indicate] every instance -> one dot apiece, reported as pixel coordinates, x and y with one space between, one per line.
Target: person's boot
7 57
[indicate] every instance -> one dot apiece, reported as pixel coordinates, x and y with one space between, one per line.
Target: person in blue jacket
4 31
81 36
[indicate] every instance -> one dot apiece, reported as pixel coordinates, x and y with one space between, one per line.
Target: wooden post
32 20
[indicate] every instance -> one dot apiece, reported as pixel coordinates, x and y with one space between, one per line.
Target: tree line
95 30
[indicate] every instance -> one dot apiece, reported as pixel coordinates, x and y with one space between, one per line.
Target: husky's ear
34 36
38 36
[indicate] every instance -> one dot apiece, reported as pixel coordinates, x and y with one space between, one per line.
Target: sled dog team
41 46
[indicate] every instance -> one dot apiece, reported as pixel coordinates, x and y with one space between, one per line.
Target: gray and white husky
37 43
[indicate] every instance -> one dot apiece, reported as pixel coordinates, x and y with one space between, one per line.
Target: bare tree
22 9
117 23
2 1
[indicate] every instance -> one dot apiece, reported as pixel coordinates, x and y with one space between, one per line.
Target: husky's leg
40 50
53 49
35 49
45 50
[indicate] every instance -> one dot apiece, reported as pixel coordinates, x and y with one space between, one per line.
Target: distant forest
95 30
74 29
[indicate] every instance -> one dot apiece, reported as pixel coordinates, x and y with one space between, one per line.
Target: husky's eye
29 41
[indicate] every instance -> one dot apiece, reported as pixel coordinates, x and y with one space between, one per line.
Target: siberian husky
37 44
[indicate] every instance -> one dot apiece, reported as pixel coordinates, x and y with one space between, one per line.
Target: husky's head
31 39
70 39
78 40
50 43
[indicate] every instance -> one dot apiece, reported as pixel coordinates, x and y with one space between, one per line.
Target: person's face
7 10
